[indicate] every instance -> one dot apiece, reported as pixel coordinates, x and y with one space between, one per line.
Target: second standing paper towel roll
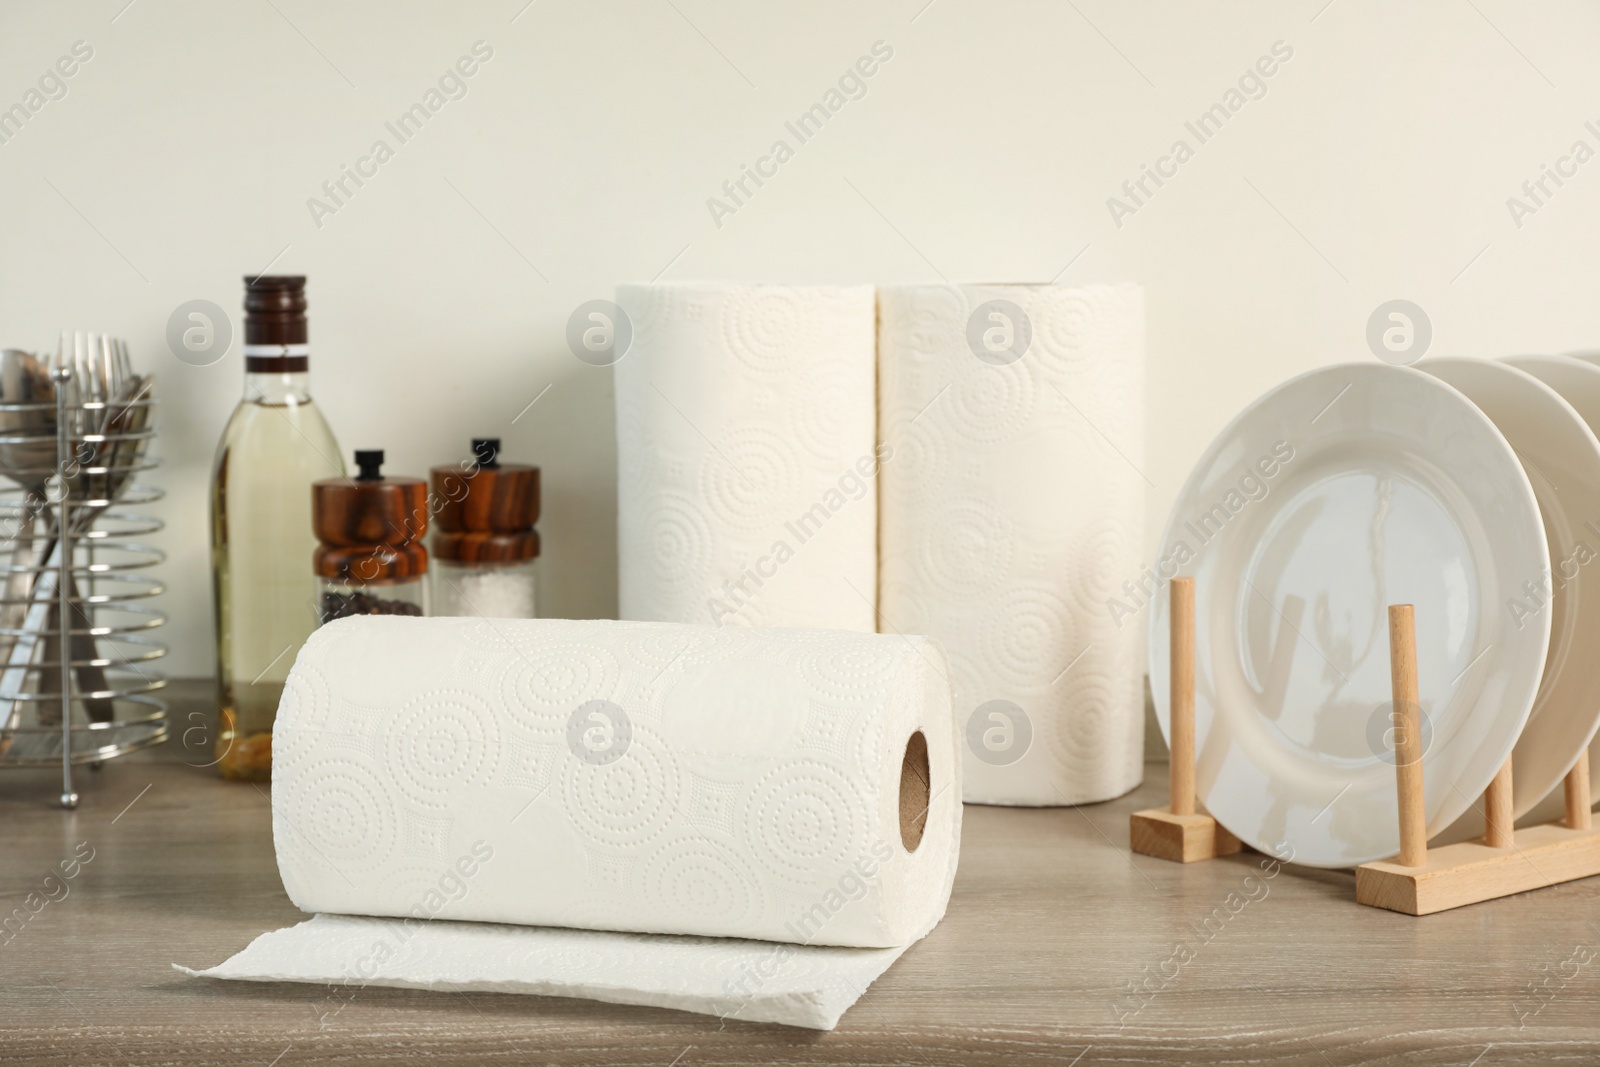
746 475
1011 515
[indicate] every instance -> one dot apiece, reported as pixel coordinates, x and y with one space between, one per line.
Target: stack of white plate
1470 489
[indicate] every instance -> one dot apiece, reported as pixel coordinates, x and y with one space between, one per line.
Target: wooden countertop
1052 924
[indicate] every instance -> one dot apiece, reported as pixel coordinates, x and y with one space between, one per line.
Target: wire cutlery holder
77 685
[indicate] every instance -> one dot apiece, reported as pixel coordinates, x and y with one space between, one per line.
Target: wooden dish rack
1417 881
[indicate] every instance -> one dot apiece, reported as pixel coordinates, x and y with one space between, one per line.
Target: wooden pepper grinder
371 560
485 548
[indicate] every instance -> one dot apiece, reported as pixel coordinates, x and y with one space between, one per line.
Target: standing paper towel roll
745 434
1011 516
783 785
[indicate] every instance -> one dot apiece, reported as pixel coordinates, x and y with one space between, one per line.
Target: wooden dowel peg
1505 861
1578 798
1407 735
1497 821
1177 832
1181 789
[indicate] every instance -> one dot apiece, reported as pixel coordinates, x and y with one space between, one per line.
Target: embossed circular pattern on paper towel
599 732
966 547
1112 391
1093 734
667 649
680 540
767 327
1102 559
806 821
1103 448
988 403
415 888
1089 354
936 322
752 473
848 670
306 704
1081 736
307 698
575 961
330 643
627 802
343 810
966 675
1083 324
918 459
823 417
834 301
553 679
697 881
485 646
1025 638
441 741
913 384
866 749
1065 316
794 638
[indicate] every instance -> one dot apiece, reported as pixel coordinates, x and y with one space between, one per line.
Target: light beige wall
1377 165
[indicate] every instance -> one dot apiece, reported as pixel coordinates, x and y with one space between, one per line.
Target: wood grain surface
1468 872
351 513
502 499
1060 947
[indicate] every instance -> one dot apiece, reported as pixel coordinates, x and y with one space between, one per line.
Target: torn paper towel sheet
793 787
1012 514
746 490
751 981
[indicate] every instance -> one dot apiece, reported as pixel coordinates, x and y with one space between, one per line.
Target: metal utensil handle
62 376
15 674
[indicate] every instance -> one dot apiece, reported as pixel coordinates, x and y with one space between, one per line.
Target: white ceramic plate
1578 382
1561 458
1333 496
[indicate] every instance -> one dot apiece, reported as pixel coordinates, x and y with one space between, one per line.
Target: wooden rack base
1472 871
1180 838
1504 861
1177 832
1417 881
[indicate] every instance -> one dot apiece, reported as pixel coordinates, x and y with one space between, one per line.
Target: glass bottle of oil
276 444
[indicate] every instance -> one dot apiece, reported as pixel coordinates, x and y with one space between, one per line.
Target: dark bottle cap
487 451
275 314
367 463
371 527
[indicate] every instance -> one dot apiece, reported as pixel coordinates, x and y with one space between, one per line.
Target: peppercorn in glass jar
371 560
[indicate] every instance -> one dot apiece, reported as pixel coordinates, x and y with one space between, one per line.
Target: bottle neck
277 374
277 388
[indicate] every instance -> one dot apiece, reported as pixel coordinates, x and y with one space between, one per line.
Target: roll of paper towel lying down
597 790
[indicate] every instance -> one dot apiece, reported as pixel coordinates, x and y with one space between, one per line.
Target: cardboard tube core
915 791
